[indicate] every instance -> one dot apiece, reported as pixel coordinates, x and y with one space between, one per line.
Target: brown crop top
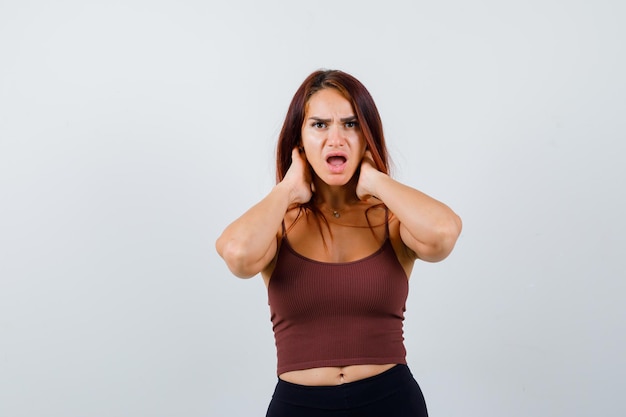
337 314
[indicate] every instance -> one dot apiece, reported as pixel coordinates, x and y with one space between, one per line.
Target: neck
335 200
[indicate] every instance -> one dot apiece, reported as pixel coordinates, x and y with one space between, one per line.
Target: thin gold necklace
336 213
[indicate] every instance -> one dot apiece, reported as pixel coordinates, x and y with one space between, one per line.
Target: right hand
298 178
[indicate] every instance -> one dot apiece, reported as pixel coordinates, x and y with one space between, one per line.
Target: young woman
335 242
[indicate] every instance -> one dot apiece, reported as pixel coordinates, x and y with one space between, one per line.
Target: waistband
351 394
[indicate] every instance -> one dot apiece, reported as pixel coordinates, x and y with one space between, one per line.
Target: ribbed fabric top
337 314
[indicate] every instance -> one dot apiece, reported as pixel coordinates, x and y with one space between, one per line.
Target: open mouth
336 160
336 163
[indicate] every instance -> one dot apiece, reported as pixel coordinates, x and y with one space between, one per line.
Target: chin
337 181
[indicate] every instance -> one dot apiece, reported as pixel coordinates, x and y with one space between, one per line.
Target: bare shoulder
293 215
289 220
405 255
379 214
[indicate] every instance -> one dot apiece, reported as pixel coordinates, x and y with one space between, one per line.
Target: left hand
365 186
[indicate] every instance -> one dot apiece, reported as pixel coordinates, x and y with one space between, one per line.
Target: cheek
363 146
308 139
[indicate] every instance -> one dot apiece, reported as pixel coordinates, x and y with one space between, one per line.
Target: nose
335 136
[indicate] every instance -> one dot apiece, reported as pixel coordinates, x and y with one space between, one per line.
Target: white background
132 132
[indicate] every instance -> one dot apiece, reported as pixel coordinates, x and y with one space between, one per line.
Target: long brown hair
366 112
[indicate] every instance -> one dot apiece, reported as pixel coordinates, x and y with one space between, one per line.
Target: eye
352 124
318 125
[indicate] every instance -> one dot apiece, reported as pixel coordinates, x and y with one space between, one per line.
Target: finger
296 156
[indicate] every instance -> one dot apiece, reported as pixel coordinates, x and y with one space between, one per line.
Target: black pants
394 393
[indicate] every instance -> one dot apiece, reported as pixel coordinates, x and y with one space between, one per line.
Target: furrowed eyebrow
319 119
343 119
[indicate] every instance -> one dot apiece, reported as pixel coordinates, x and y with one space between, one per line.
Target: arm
249 244
427 226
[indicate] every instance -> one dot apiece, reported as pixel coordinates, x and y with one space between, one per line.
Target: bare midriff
334 375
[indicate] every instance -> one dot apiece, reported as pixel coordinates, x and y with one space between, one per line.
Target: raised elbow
448 235
236 258
441 241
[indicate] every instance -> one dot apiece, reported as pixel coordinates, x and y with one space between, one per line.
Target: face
331 137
